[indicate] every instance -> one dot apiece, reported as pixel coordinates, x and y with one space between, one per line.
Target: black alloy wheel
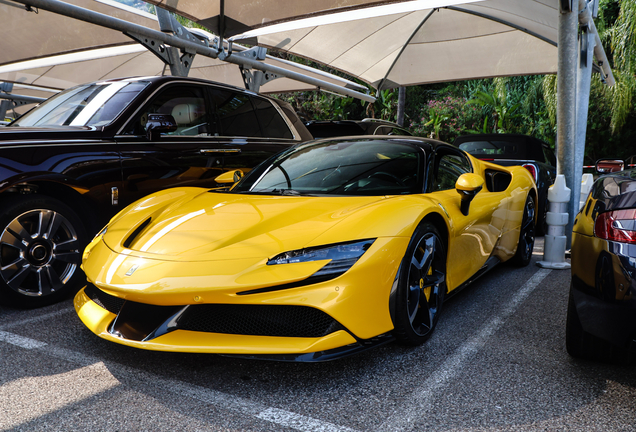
525 245
421 286
41 245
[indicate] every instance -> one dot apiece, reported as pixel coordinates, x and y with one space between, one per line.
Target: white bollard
586 187
557 219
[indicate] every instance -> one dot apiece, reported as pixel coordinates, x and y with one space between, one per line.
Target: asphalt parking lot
497 362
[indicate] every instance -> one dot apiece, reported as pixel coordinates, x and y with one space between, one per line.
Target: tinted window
272 124
447 170
496 149
235 114
549 156
185 103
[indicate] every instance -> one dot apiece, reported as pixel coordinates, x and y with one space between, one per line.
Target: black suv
368 126
72 162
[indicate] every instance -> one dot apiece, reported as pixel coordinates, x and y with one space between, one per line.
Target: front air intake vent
131 238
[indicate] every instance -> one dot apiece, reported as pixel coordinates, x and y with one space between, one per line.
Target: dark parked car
601 319
512 149
369 126
75 160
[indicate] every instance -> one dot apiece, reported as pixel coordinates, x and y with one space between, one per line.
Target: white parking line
421 397
221 400
20 341
44 317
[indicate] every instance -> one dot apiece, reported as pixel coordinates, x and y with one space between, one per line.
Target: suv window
235 114
185 103
272 124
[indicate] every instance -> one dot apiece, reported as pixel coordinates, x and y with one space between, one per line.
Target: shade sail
37 34
239 16
63 71
464 40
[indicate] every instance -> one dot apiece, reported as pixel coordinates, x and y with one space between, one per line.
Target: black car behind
78 158
601 319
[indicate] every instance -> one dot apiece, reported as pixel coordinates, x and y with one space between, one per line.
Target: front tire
41 245
421 286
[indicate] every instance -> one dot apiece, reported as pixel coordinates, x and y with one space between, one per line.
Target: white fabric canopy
466 40
396 43
67 70
37 34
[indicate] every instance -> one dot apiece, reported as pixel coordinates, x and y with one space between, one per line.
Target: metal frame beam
190 45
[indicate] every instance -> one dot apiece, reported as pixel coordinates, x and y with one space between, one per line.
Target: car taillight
617 225
532 169
487 159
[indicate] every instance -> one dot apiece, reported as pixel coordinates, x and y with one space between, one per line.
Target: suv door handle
220 150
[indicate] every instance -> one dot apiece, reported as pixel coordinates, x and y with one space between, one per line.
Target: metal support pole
587 42
566 103
401 105
187 46
5 106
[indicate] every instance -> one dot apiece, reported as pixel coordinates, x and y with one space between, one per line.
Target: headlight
342 256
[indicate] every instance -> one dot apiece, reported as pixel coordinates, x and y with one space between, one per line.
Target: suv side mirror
158 124
467 186
604 166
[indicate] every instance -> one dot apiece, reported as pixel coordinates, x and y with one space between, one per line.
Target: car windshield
361 167
496 149
94 104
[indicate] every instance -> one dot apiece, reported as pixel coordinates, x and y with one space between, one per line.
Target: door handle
223 151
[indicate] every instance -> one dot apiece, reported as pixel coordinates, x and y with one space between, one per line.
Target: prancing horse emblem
132 269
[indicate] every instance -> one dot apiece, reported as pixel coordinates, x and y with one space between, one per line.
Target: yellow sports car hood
192 224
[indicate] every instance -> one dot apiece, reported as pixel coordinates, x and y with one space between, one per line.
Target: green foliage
447 118
523 104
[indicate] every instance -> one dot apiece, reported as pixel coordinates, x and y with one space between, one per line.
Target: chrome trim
205 151
114 196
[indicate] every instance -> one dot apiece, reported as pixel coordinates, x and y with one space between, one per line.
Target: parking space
497 361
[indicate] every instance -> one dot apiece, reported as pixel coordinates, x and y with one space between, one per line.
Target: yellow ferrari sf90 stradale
325 250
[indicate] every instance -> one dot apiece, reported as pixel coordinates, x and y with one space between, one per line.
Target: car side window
185 103
235 114
270 120
448 168
549 156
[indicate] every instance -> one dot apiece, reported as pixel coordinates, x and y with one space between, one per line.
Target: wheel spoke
48 280
47 223
18 237
70 257
58 280
18 277
427 253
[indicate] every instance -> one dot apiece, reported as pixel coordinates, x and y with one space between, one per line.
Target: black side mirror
158 124
468 185
604 166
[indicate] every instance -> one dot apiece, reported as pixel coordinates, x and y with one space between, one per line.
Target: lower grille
252 320
106 301
258 320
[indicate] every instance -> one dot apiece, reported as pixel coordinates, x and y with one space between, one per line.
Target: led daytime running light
341 254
